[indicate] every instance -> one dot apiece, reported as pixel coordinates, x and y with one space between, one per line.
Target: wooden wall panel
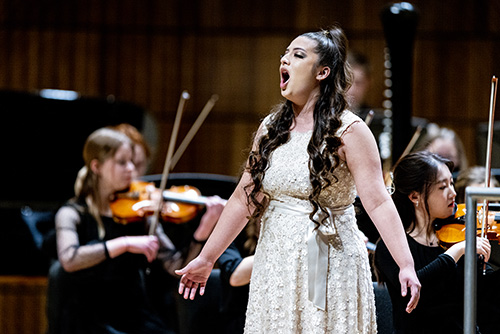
64 66
373 47
47 61
110 63
427 93
452 87
230 71
236 17
23 305
4 59
492 14
165 74
33 53
18 64
147 52
131 50
85 63
265 69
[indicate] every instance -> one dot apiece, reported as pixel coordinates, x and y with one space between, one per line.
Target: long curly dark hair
323 147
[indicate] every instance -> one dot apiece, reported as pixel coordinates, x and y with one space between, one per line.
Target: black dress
111 296
440 308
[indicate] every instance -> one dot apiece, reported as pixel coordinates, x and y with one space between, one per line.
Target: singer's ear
323 73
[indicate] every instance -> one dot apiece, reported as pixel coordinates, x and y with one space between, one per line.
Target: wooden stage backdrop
147 52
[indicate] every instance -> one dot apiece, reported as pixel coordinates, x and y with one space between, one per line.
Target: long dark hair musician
424 192
416 173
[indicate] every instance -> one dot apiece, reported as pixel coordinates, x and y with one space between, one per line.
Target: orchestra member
423 193
104 262
236 264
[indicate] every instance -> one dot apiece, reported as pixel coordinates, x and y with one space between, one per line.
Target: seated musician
104 262
142 151
472 177
446 143
236 264
188 237
424 192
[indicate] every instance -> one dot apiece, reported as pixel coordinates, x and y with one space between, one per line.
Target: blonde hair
101 145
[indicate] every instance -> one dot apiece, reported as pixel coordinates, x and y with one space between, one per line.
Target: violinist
475 177
472 177
446 143
424 192
142 151
104 262
187 238
203 224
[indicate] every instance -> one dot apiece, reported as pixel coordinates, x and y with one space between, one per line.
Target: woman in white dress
310 158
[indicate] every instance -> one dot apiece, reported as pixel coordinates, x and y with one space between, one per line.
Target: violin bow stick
412 142
369 118
184 97
194 128
407 150
487 177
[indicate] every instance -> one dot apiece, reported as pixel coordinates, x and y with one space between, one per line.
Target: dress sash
319 240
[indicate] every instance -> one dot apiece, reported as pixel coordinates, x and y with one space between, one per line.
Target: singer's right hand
194 276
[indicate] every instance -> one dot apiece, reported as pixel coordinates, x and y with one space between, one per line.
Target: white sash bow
319 241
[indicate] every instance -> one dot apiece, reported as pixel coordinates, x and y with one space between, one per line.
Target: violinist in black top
424 192
104 262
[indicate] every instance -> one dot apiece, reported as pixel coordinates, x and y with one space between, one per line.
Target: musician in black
424 192
102 281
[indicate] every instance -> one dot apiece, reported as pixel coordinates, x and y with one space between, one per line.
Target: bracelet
106 251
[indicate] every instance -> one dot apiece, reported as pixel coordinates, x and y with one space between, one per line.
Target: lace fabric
279 300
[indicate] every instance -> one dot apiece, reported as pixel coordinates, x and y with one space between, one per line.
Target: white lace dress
280 293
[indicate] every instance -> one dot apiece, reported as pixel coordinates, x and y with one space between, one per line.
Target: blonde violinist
104 262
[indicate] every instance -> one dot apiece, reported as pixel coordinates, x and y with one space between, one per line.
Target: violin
123 202
182 203
451 231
